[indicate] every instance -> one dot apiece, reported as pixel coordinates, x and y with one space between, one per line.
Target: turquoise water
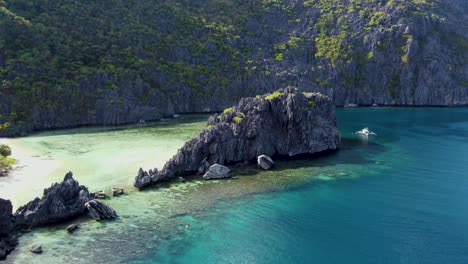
396 198
413 211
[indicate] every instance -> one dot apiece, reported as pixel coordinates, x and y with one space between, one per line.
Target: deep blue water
411 209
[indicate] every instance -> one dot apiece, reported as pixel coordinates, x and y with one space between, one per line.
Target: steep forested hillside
76 62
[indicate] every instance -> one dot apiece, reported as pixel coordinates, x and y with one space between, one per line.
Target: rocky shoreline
62 201
285 123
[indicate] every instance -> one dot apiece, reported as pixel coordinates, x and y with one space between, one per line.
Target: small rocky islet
282 124
285 123
61 202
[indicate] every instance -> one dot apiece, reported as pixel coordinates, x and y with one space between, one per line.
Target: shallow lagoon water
397 198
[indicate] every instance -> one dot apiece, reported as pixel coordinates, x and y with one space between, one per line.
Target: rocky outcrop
145 178
6 217
59 202
265 162
99 210
284 123
7 240
216 171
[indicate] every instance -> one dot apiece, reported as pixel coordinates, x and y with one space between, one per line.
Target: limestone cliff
284 123
67 63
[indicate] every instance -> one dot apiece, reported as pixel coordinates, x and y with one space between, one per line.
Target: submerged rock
287 122
37 249
181 179
265 162
98 210
100 195
216 171
72 228
117 191
59 202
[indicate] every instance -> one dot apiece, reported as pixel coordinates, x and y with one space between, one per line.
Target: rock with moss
283 126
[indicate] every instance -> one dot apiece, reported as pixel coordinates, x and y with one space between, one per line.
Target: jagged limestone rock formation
62 201
284 123
59 202
7 241
145 178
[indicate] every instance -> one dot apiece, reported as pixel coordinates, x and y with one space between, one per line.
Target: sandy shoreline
21 183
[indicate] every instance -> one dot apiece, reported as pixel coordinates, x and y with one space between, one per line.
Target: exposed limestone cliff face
284 123
154 59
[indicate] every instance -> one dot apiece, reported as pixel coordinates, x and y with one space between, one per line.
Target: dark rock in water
7 241
98 210
117 191
265 162
181 179
59 202
36 249
6 217
7 244
286 122
216 171
203 167
100 195
71 228
145 178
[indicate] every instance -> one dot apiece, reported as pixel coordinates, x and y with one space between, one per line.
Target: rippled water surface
397 198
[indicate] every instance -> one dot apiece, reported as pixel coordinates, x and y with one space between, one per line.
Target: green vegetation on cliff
65 63
6 162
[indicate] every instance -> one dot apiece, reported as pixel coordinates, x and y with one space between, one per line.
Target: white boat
365 132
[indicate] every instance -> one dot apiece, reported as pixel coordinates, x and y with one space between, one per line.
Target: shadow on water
352 151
